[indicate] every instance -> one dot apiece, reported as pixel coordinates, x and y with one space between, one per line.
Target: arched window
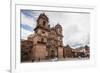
44 23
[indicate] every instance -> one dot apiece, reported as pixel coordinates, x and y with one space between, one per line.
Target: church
45 43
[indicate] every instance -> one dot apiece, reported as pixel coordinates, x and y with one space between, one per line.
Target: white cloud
78 38
27 20
24 33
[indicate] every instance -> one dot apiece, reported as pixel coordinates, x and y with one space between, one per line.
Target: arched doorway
52 54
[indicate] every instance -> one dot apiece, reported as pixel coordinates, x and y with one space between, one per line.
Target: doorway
52 54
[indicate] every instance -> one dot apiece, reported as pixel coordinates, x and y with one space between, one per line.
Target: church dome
58 26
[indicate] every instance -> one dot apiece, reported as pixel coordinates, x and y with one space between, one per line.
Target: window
44 23
43 32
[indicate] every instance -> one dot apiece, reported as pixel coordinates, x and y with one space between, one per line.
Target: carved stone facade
47 41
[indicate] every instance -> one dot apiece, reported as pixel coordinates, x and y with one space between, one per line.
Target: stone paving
55 60
64 59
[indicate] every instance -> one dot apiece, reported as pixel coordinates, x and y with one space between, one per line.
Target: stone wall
39 51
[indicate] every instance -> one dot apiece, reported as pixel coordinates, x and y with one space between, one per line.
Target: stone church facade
47 41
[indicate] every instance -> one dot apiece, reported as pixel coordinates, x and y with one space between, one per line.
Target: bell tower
40 39
59 34
42 27
59 40
42 22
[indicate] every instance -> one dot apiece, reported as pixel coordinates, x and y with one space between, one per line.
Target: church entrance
52 54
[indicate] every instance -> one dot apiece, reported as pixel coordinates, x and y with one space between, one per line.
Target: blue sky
76 26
